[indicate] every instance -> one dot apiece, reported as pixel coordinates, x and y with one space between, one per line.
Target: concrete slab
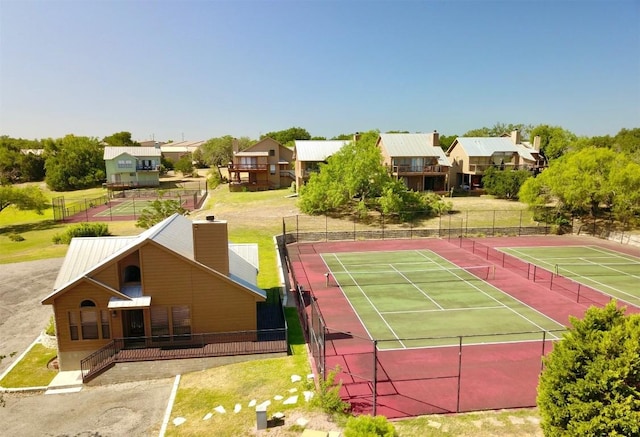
68 379
314 433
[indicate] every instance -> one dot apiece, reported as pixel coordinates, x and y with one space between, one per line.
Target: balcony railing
247 167
402 169
480 168
147 168
170 347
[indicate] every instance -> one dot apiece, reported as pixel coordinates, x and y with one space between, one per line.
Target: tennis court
416 298
613 273
125 207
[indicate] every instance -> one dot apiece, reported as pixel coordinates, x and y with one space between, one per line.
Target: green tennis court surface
613 273
418 299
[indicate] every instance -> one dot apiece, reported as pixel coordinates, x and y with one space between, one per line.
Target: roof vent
211 218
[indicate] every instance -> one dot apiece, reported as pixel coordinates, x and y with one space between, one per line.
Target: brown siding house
178 278
265 165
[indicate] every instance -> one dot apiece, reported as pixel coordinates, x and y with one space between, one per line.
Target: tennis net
597 269
415 276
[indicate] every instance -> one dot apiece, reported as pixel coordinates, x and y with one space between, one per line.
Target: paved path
131 409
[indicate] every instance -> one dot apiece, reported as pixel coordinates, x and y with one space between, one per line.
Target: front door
133 323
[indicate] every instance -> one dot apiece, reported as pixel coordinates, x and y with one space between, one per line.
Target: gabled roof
412 145
317 150
484 146
113 152
87 255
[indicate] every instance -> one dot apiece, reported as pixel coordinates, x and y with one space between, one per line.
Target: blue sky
173 70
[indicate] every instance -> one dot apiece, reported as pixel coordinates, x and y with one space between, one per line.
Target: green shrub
329 398
82 230
15 237
51 327
215 178
368 426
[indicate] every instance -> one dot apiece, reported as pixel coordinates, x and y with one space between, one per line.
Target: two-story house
132 166
178 284
309 154
416 159
263 166
471 156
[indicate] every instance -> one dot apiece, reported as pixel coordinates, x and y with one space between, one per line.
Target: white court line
587 281
550 337
624 256
364 294
610 268
506 295
443 310
417 288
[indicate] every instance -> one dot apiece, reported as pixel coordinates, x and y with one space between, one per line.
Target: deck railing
167 347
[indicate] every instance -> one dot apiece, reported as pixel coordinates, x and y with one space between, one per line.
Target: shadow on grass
296 337
42 225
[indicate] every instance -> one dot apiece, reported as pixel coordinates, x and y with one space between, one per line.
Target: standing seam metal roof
317 150
412 145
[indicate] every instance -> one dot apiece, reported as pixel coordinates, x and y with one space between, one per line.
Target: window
181 320
104 319
272 169
125 163
131 274
159 321
272 152
73 326
89 322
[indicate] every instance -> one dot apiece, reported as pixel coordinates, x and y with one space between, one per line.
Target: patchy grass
32 370
522 422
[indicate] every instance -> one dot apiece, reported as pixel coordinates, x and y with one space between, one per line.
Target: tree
18 166
219 151
28 198
446 141
74 163
159 210
504 184
185 165
587 181
499 129
554 140
591 382
120 139
354 179
288 136
346 177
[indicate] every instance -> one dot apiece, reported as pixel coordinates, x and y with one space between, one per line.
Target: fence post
493 226
355 219
326 227
520 226
297 227
86 210
375 376
459 373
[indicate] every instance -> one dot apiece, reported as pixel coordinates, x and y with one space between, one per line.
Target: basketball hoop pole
326 279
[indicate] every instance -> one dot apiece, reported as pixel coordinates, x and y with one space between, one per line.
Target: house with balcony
309 154
416 159
264 166
471 156
177 290
132 167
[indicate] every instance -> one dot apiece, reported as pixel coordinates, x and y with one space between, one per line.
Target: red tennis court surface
459 378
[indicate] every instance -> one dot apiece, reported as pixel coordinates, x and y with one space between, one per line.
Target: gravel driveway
129 409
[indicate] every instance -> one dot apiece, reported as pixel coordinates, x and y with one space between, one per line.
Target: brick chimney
235 145
211 244
536 143
515 136
435 139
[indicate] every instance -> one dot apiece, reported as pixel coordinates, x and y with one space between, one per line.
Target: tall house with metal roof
471 156
309 154
416 159
263 166
129 167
